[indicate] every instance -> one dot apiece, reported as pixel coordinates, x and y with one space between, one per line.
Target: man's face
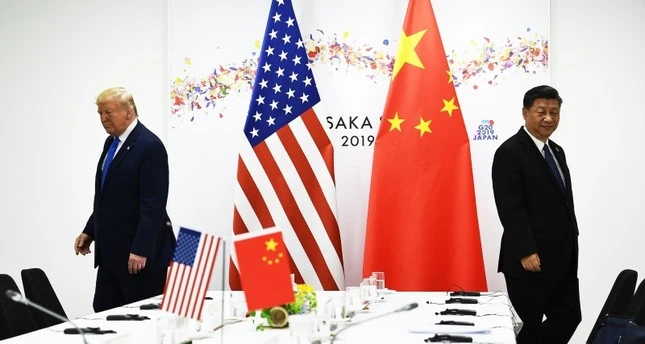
542 118
115 119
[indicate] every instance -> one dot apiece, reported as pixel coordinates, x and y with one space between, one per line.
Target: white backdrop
56 56
498 51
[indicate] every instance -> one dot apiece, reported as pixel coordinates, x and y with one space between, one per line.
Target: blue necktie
108 159
552 165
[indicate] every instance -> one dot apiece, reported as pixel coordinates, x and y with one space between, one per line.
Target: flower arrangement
305 302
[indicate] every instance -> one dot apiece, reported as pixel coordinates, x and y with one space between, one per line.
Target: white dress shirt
540 145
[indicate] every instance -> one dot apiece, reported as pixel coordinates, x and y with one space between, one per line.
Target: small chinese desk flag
264 268
190 273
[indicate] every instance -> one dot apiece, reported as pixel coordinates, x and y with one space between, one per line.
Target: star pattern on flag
449 106
423 127
273 261
286 86
406 52
395 122
185 254
451 79
271 245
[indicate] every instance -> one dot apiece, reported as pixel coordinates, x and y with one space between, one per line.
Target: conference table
384 320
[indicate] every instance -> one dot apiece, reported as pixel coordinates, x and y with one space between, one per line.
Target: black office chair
39 290
636 308
15 318
618 300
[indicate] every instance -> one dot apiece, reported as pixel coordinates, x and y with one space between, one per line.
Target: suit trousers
536 296
116 290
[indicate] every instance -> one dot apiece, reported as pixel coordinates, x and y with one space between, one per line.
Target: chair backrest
610 330
15 318
618 299
636 308
637 303
620 330
39 290
632 334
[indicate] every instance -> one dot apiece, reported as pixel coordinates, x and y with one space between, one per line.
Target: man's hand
531 263
82 244
136 263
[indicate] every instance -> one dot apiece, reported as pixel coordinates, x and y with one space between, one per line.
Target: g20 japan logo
485 131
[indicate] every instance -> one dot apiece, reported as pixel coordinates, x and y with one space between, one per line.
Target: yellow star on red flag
423 127
271 244
406 53
449 106
395 122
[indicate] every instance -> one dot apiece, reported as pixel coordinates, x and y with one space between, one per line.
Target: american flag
190 273
285 174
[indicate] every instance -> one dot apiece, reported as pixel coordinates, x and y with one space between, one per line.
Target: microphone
405 308
17 297
461 300
453 311
465 293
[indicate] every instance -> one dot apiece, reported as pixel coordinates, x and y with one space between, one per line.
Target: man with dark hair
539 249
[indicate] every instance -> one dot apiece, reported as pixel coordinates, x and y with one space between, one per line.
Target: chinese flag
422 228
264 268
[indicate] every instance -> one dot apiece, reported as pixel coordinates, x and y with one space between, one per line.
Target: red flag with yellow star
422 227
264 268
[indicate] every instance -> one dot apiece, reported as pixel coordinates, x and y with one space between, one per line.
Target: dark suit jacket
130 211
536 214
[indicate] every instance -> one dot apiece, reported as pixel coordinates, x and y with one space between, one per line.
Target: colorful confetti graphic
482 63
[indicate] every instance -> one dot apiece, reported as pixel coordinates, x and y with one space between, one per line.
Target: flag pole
223 287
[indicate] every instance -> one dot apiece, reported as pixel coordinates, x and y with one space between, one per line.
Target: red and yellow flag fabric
422 227
264 268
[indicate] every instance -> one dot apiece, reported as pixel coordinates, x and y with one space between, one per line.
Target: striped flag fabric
285 174
190 273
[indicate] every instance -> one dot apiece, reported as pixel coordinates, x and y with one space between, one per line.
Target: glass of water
380 280
353 302
369 293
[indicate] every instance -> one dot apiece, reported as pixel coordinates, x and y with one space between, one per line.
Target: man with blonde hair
129 225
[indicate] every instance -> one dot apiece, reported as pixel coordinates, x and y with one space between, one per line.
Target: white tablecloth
494 315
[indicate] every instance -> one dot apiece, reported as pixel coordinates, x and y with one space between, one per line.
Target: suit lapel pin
128 147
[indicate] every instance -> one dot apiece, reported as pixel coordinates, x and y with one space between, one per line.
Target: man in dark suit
539 249
134 239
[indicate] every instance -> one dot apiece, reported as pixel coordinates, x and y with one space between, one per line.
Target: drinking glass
172 329
353 302
380 280
368 289
301 327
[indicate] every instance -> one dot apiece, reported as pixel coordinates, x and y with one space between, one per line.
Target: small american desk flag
285 174
190 273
